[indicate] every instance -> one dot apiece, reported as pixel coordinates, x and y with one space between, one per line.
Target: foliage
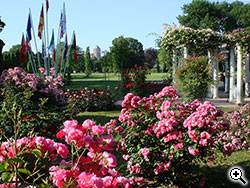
150 57
126 52
134 81
241 37
165 60
219 16
88 63
161 137
237 137
11 58
193 78
77 66
106 62
92 99
201 39
89 164
38 101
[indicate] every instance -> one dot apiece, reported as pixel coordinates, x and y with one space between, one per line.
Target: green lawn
97 80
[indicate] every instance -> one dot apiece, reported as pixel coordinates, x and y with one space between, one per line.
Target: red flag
22 50
47 5
27 45
41 24
74 47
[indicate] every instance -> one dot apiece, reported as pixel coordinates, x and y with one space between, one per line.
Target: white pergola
232 73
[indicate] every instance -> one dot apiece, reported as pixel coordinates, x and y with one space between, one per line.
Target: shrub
37 101
92 99
37 161
134 81
237 137
161 137
193 78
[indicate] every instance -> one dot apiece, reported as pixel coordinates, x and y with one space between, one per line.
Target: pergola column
185 53
215 74
239 93
174 64
232 75
226 73
247 76
209 54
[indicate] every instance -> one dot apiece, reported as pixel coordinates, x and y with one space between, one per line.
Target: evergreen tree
87 63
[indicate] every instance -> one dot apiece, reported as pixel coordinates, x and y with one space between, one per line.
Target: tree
165 61
126 52
106 63
219 16
119 52
11 58
150 57
87 62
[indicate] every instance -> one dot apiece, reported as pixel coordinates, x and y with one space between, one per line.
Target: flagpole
67 58
33 60
47 24
58 47
45 47
39 65
27 51
65 42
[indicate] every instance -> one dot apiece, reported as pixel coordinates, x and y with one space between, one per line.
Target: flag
29 26
65 47
52 48
22 50
41 24
63 22
27 48
73 46
47 5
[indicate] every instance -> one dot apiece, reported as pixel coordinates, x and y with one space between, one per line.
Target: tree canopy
126 52
218 16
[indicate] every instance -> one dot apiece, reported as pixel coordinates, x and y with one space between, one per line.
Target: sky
95 22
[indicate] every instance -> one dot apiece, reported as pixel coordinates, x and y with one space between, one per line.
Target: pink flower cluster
20 79
159 132
237 136
24 145
95 166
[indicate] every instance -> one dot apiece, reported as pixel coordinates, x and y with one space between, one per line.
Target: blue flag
29 28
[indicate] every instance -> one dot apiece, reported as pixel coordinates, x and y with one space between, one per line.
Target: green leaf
6 176
37 153
24 171
15 159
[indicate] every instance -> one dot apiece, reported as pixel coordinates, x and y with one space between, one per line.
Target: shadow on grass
216 177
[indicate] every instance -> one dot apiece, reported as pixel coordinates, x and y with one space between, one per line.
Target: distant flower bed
237 137
92 99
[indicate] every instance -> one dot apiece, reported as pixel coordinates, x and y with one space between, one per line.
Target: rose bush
92 99
89 164
193 78
133 80
37 100
161 137
237 137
